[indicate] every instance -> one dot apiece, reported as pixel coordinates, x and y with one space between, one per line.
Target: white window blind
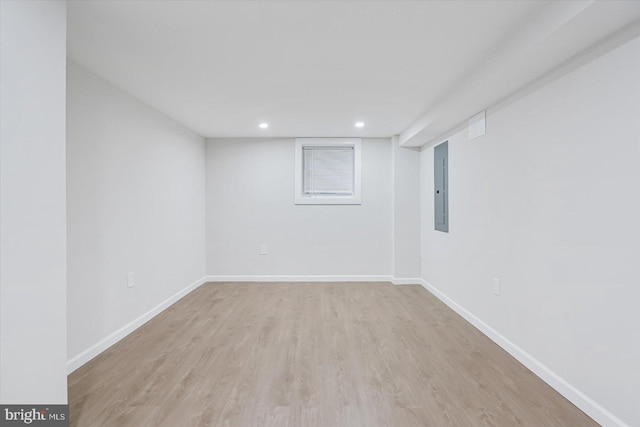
328 171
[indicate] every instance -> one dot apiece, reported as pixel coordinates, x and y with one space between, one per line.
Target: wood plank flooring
311 354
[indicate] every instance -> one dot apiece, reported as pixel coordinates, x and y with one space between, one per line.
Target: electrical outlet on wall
131 280
263 249
496 286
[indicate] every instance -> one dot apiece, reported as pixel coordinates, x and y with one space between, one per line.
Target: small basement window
327 171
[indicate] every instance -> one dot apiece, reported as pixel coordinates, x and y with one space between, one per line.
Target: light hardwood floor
311 354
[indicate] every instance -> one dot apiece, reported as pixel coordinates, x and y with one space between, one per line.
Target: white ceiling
314 68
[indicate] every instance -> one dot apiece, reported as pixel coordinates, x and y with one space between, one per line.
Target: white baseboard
82 358
575 396
582 401
293 278
406 281
316 278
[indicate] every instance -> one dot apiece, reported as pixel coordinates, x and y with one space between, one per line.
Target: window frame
301 198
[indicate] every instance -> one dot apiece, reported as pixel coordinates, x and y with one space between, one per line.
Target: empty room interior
320 213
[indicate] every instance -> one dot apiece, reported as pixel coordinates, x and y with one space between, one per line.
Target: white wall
406 212
32 203
549 202
135 204
250 201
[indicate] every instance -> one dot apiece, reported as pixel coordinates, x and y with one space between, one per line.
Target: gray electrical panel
441 186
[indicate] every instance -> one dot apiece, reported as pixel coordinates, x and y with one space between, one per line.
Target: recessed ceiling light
263 125
359 124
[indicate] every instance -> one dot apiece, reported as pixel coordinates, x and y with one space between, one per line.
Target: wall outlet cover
496 286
